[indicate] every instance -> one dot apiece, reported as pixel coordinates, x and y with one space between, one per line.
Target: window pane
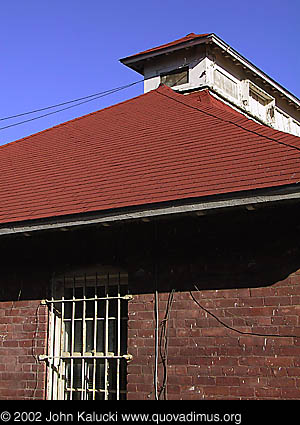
123 348
123 375
113 308
67 310
78 309
124 308
100 369
77 395
101 305
77 374
78 336
100 336
67 338
112 337
89 335
113 291
112 375
100 291
90 305
175 78
99 396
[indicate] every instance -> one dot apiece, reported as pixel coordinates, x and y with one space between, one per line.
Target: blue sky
57 50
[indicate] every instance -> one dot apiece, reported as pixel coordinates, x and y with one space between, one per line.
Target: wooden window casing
88 337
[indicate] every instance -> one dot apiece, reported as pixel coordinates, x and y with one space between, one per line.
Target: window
88 337
175 78
261 104
257 105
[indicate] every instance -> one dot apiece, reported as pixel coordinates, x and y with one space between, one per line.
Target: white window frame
63 360
269 101
170 70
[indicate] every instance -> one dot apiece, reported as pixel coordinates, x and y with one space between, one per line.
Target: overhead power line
84 99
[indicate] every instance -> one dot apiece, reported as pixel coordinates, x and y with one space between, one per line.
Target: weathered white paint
220 68
295 127
194 60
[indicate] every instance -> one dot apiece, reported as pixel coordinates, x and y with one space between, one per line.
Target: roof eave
136 62
251 67
249 200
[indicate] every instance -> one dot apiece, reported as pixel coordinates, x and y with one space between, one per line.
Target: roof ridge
154 148
180 40
191 103
71 120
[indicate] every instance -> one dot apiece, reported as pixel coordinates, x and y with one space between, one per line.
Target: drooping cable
163 345
156 312
156 346
234 329
89 98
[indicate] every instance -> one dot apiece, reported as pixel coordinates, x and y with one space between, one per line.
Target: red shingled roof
160 146
189 37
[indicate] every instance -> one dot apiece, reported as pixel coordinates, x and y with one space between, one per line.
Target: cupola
205 61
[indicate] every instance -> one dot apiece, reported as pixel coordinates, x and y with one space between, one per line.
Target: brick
282 382
131 388
179 380
206 357
178 342
279 361
145 388
293 371
266 392
253 381
204 380
245 392
216 391
174 389
218 331
277 300
10 343
229 381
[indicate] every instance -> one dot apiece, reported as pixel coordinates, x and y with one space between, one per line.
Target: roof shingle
189 37
160 146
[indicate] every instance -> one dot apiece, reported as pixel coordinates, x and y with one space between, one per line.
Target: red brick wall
206 360
23 333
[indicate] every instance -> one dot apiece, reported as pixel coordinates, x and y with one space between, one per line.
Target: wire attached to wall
234 329
163 345
156 308
156 312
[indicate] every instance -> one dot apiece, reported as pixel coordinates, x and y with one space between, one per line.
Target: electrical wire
87 99
33 349
234 329
69 101
229 121
156 346
156 310
163 345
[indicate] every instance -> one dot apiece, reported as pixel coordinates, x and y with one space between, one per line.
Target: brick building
151 249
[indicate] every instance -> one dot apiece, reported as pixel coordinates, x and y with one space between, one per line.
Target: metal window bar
87 350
